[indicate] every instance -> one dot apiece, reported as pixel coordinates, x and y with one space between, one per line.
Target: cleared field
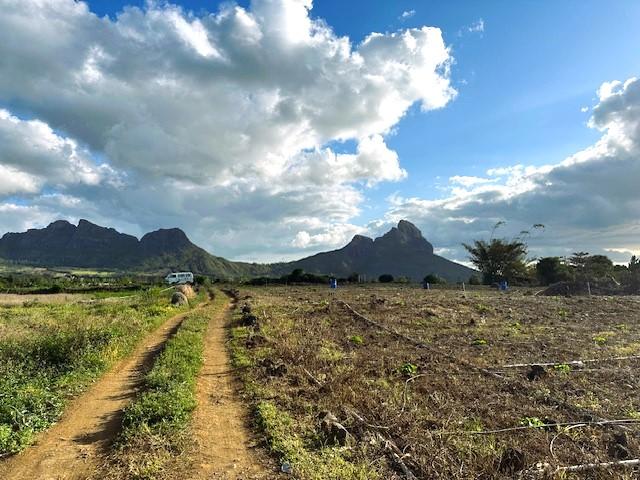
425 383
50 352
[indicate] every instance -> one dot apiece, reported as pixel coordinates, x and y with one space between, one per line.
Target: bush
475 280
434 279
385 278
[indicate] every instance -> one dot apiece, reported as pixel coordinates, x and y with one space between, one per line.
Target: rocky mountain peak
408 229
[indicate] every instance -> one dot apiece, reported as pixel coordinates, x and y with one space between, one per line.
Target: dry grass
429 394
56 298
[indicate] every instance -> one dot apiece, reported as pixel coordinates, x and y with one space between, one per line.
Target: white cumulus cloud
588 201
159 113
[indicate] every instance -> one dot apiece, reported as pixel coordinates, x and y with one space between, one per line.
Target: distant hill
91 246
402 251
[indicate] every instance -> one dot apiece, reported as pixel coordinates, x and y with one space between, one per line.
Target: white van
179 277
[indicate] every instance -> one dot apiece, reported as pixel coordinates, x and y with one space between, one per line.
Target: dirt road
223 443
71 448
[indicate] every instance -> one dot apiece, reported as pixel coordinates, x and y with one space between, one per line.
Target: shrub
385 278
434 279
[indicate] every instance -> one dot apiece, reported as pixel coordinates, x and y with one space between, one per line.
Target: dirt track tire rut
73 447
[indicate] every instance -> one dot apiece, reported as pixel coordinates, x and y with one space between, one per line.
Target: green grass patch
50 352
326 463
155 424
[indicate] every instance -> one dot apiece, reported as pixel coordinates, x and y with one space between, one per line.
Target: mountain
91 246
402 251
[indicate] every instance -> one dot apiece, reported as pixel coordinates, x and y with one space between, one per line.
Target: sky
273 129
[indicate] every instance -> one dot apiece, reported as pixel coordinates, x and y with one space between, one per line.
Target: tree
474 280
599 266
434 279
591 267
634 272
353 278
498 259
579 262
385 278
551 270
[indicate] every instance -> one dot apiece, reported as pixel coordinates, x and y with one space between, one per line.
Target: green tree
475 280
385 278
591 267
434 279
634 272
599 266
579 262
498 259
551 270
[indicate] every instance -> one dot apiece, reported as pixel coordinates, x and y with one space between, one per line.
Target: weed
482 308
408 369
356 339
330 352
600 339
479 342
562 368
531 422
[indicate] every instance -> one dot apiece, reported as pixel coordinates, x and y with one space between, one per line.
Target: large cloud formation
590 201
220 122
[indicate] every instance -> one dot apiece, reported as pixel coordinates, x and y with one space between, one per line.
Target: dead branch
576 363
623 421
363 421
396 455
406 387
315 380
595 466
460 361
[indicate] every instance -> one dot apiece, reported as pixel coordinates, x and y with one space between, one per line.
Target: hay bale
186 290
178 299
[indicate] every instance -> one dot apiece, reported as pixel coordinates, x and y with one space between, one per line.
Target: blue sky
521 82
528 83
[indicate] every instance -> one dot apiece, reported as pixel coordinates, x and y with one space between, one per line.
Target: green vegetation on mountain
401 252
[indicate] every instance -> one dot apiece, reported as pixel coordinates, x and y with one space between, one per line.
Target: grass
156 424
377 383
51 352
294 441
324 463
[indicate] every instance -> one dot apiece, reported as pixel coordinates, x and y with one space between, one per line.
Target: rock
274 369
255 340
248 319
179 299
511 461
537 372
333 431
618 447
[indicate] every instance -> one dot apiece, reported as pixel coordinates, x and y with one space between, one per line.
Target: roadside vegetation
389 382
51 352
155 427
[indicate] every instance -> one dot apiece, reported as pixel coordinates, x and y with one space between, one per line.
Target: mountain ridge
402 251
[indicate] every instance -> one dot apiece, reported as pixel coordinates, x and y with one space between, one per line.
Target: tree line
501 259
